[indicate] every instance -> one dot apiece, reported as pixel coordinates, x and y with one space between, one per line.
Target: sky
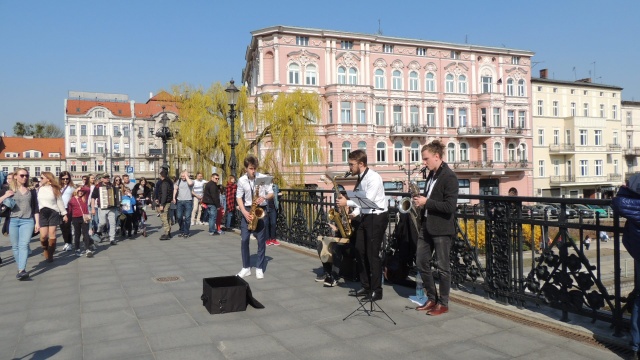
137 47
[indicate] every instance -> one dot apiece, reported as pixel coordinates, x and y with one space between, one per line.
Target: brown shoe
438 310
427 306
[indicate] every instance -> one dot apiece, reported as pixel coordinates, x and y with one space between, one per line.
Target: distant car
583 211
469 209
542 209
609 210
569 212
598 210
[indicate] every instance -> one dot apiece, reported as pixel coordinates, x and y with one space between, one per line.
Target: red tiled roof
81 107
21 144
154 105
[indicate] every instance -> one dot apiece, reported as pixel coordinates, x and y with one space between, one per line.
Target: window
353 76
116 168
431 116
397 115
462 84
58 170
99 114
584 92
361 114
346 149
484 152
330 113
483 117
83 147
294 73
567 136
555 109
72 147
142 166
496 117
396 78
615 165
448 83
598 168
414 153
116 130
462 117
302 40
602 110
99 130
342 75
345 112
511 119
521 118
72 130
497 152
430 84
614 112
125 130
515 60
615 138
83 130
598 138
583 137
585 111
487 85
36 171
294 156
421 51
509 87
311 74
398 153
540 108
141 148
414 116
346 44
584 167
573 91
540 136
573 109
451 121
464 152
413 81
379 79
539 88
511 152
330 146
629 118
555 89
84 168
381 152
152 131
556 167
454 54
388 48
541 168
521 91
380 115
362 145
451 152
556 136
73 168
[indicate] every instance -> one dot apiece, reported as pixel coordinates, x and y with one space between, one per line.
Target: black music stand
361 200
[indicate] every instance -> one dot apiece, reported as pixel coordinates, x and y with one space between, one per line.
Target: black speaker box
224 294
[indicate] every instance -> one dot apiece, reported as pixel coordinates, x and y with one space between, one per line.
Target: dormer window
455 54
515 60
54 155
99 114
421 51
387 48
302 40
346 44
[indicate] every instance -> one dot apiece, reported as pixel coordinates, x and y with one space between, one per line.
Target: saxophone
256 211
406 204
340 215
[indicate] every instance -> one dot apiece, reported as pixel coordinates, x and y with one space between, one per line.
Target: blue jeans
229 217
20 231
183 210
261 235
635 315
213 213
272 216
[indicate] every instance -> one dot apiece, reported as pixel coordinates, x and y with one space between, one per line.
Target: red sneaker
268 243
275 242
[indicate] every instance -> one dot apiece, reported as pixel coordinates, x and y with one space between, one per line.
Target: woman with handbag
51 209
80 219
24 219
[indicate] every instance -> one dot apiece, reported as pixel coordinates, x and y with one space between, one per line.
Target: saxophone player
248 193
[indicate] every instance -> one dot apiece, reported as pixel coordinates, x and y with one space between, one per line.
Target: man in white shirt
198 191
245 197
127 182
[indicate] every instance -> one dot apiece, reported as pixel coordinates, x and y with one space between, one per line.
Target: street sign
129 169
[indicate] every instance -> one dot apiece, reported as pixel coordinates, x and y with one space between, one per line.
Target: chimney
4 134
150 95
543 73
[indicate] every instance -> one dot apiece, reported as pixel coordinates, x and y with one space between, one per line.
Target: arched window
413 81
451 153
330 146
497 152
353 76
430 84
464 152
362 145
311 75
462 84
381 152
510 87
415 152
294 73
512 152
342 75
522 152
396 78
346 149
397 152
379 79
448 84
521 91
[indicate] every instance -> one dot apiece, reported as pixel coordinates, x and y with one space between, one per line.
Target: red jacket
77 207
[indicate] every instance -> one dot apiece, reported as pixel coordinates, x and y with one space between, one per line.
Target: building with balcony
391 95
577 144
631 129
34 154
108 132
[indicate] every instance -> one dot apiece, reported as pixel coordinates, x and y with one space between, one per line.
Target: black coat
211 195
441 205
165 194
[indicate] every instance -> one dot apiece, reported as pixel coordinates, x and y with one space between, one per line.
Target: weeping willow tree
284 141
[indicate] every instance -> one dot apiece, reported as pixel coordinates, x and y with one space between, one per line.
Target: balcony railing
562 148
614 177
556 180
614 147
632 151
477 131
413 130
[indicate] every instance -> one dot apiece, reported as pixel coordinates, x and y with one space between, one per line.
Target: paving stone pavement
110 307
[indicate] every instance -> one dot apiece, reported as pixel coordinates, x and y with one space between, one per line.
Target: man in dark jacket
438 227
211 198
627 204
165 196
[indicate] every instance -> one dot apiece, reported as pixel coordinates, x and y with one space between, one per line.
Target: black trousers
441 246
369 237
80 227
65 228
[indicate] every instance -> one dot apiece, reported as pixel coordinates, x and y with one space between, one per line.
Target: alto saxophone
340 215
406 204
256 211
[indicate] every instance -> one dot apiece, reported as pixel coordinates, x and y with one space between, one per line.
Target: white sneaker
88 253
244 272
192 223
259 274
66 247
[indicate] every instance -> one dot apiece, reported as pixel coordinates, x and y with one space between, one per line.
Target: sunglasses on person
65 179
23 175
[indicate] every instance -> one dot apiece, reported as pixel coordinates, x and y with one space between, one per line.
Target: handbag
7 206
122 217
85 217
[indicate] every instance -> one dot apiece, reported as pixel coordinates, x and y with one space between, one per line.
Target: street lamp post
232 95
165 134
408 170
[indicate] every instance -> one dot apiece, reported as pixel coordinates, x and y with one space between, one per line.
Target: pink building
392 95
